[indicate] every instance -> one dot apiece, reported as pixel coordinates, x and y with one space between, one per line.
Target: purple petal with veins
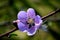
31 13
32 31
22 16
21 26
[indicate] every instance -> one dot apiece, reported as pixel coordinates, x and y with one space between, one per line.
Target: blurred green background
10 8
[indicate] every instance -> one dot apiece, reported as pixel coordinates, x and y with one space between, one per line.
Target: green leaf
11 35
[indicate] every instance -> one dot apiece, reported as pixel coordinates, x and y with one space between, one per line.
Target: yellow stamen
30 21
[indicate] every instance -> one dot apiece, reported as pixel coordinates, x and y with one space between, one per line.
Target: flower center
30 22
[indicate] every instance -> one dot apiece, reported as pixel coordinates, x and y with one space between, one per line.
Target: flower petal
31 13
31 31
22 16
38 21
22 27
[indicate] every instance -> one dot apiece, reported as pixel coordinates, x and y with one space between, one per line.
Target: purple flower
28 21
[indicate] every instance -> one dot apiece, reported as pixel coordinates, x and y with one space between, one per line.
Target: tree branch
7 33
50 14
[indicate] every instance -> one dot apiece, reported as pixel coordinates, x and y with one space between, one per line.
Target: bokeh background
10 8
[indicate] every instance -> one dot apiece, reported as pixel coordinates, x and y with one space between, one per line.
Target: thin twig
50 14
7 33
14 29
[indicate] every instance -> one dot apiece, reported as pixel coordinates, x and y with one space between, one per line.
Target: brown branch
7 33
50 14
14 29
